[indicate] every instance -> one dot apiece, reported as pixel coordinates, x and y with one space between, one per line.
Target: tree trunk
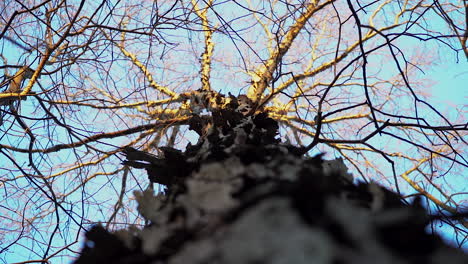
241 196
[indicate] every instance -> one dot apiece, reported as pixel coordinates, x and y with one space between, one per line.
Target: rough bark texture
241 196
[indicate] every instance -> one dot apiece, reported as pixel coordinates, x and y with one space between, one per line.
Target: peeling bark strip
241 196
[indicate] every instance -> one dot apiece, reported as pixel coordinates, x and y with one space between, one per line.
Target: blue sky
451 88
450 95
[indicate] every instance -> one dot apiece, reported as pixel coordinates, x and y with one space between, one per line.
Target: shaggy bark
241 196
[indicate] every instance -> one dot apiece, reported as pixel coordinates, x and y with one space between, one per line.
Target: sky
449 94
451 88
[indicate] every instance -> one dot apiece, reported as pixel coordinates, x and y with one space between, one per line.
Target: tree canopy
84 80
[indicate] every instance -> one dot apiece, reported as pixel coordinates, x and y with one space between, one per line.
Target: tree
239 195
341 77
